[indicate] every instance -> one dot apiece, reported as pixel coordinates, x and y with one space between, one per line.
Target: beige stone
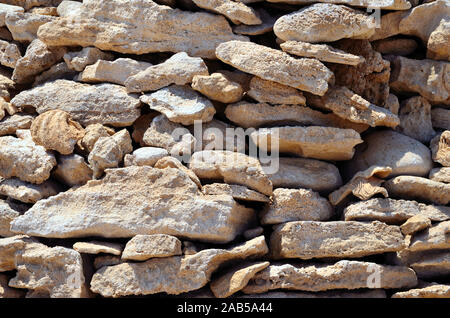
431 291
97 247
7 214
72 170
137 200
392 104
438 43
172 162
144 247
9 54
389 25
78 60
265 91
6 291
92 133
8 248
440 148
305 74
28 192
238 192
6 108
52 11
435 237
395 46
266 26
145 156
10 124
28 4
5 9
252 233
349 239
415 224
432 265
66 8
24 26
415 119
218 87
57 71
440 117
237 12
107 260
141 125
381 4
440 174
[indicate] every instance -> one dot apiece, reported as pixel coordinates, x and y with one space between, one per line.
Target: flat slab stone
237 12
238 192
431 291
28 192
143 247
265 91
440 174
7 214
435 237
10 124
97 247
382 4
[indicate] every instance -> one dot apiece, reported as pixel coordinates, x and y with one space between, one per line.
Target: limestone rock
145 156
350 239
108 152
10 124
415 224
392 104
232 167
237 12
438 43
435 237
322 52
148 26
78 60
116 71
218 87
180 104
6 108
389 25
106 260
24 159
66 8
305 74
381 4
28 4
52 11
409 187
97 247
72 170
440 117
143 247
57 71
266 26
24 26
92 133
9 54
6 291
27 192
341 275
432 264
7 214
415 119
323 22
8 248
440 148
5 9
440 174
406 156
171 162
113 106
325 143
137 200
395 46
431 291
141 125
238 192
265 91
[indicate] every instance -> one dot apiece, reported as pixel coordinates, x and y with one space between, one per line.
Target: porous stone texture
72 170
415 119
415 224
10 124
9 54
24 26
237 12
7 214
431 291
27 192
144 247
5 9
440 148
218 87
435 237
172 162
96 247
78 60
440 174
92 133
238 192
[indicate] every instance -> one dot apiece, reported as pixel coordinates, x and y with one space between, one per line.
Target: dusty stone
179 69
431 291
438 42
72 170
10 124
57 71
24 26
409 187
55 130
265 91
24 159
66 8
323 22
232 167
137 200
296 205
5 9
108 152
148 26
92 133
8 248
427 77
389 25
235 279
53 11
97 247
440 174
415 224
28 4
5 84
305 74
27 192
440 148
382 4
393 211
415 119
7 214
238 192
9 54
319 277
349 239
440 117
435 237
432 264
218 87
315 142
172 275
113 106
145 156
322 52
406 156
116 71
144 247
87 56
268 20
6 108
107 260
141 125
237 12
395 46
172 162
180 104
6 291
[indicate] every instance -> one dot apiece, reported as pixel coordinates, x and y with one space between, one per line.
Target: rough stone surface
7 214
435 237
237 12
218 87
72 170
172 162
382 4
9 54
24 26
266 26
145 156
5 9
438 42
238 192
265 91
431 291
57 71
28 192
8 248
415 119
415 224
6 291
440 174
144 247
78 60
395 46
92 133
440 148
10 124
96 247
432 264
440 117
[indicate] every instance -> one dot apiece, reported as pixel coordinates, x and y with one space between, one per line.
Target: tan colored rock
24 26
381 4
141 125
57 71
389 25
78 60
440 117
393 211
415 224
395 46
431 291
7 214
115 72
28 192
108 152
266 26
392 104
322 52
415 119
427 77
218 87
97 247
8 248
438 43
137 200
305 74
364 185
232 167
5 84
24 159
325 143
172 162
440 174
55 130
6 108
235 279
144 247
311 239
52 11
323 22
440 148
5 9
10 124
28 4
238 192
435 237
172 275
9 54
409 187
265 91
350 106
432 264
66 8
296 205
113 106
145 156
6 291
92 133
107 260
237 12
72 170
148 26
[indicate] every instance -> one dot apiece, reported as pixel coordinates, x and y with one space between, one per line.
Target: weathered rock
8 248
7 214
322 52
108 152
148 26
57 71
78 60
6 291
341 275
406 156
172 162
5 9
141 125
237 12
66 8
438 43
24 159
5 84
323 22
440 148
116 71
430 291
427 77
10 124
409 187
92 133
52 11
310 239
415 224
325 143
268 20
435 237
107 260
381 4
392 104
440 117
432 264
97 247
389 25
238 192
172 275
440 174
28 4
218 87
113 105
24 26
143 247
232 167
395 46
145 156
265 91
306 74
180 104
9 54
137 200
27 192
6 108
415 119
72 170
